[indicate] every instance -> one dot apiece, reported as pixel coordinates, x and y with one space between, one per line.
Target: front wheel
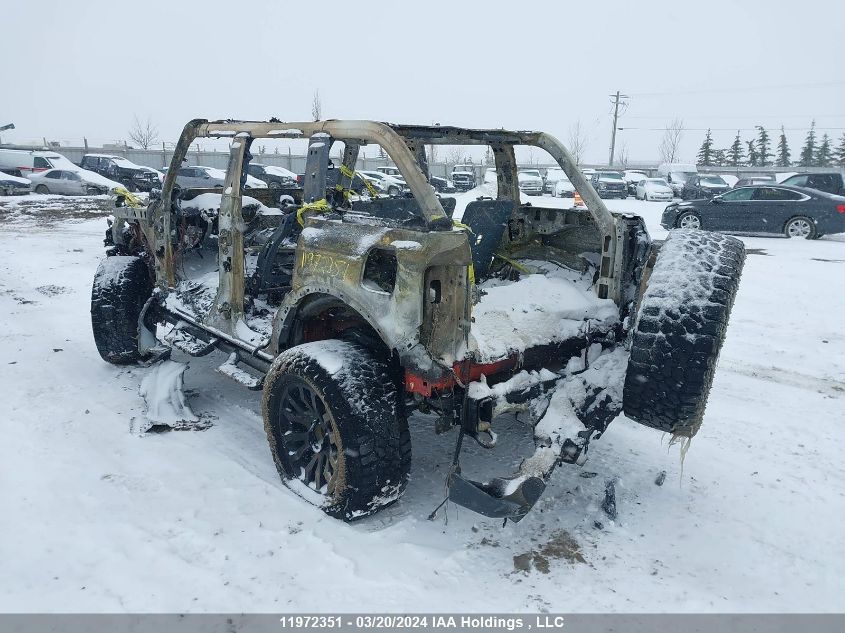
122 286
42 189
689 220
393 191
800 226
336 428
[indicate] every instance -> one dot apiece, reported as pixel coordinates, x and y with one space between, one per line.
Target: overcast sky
74 68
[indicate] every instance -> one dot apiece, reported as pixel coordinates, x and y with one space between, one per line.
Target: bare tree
144 134
671 141
316 106
577 141
623 155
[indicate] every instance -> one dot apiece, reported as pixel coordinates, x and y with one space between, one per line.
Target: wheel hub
309 438
799 228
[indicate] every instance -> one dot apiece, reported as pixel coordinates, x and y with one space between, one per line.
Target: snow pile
546 307
161 389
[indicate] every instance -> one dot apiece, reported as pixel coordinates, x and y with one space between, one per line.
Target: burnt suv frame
351 312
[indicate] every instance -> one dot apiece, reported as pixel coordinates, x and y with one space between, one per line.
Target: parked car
464 177
676 174
389 185
14 185
654 189
703 186
198 177
392 171
551 178
564 188
133 177
441 185
755 180
609 184
779 209
829 182
530 182
631 178
275 177
490 175
72 182
33 161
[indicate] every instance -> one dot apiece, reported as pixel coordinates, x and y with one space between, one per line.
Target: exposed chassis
440 247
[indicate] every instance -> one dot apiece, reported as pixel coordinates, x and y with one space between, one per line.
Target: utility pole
616 100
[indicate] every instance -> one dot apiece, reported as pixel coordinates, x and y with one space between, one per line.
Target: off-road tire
679 330
122 286
369 426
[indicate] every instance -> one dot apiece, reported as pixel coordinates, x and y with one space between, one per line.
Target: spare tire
122 286
679 330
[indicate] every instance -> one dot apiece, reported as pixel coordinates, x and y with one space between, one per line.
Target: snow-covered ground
100 517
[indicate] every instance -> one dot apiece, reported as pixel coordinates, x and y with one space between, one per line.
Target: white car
390 185
72 182
530 182
632 178
393 172
490 175
564 188
198 177
550 179
654 189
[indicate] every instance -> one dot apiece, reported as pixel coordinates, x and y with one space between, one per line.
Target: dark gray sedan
779 209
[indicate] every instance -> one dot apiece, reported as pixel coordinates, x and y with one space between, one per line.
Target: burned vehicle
352 312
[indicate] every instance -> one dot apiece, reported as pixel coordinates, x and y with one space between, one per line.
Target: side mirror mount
717 200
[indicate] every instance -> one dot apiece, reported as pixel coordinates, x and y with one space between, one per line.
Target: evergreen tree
784 154
808 152
705 154
839 153
719 157
763 144
753 156
823 154
735 153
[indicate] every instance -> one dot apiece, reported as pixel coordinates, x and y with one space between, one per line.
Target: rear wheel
122 286
393 191
800 226
336 428
689 220
679 330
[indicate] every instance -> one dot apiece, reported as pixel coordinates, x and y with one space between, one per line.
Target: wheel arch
320 314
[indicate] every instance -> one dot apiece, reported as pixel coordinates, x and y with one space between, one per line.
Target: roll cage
405 146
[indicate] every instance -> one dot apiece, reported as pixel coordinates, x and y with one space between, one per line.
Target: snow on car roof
279 171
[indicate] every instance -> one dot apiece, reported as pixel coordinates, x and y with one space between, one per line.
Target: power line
727 129
737 90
